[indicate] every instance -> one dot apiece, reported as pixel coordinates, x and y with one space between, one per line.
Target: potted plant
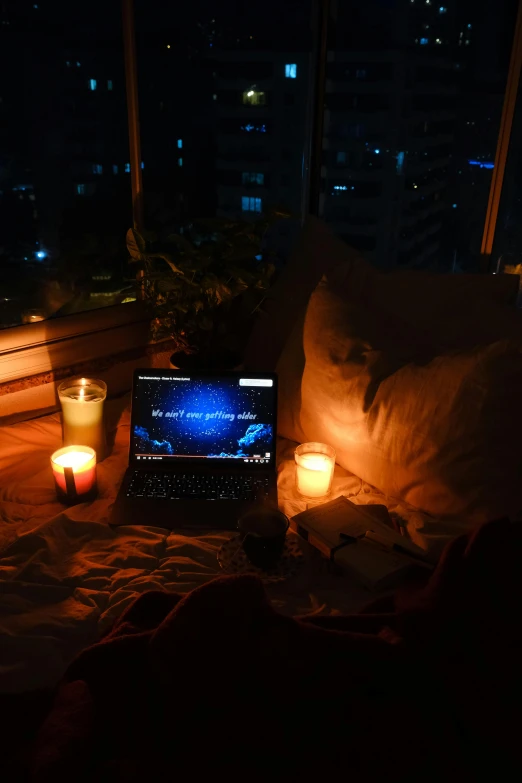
203 286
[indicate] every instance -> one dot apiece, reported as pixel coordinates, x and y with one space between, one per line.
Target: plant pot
221 360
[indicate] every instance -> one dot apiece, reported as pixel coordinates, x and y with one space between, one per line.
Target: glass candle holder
82 402
74 471
315 463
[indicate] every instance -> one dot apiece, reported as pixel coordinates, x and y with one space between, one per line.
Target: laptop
202 449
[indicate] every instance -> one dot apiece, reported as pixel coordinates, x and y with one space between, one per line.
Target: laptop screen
197 417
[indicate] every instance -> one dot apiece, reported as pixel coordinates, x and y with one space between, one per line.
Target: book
360 543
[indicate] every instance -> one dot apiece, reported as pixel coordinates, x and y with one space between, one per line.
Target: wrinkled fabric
218 685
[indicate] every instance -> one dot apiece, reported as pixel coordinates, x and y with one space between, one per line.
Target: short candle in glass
315 463
74 471
82 413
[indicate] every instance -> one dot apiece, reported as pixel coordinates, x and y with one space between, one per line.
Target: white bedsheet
65 575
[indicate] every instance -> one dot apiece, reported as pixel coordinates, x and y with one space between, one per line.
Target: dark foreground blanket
216 685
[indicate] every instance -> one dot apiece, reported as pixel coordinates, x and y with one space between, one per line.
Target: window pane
65 202
224 107
413 109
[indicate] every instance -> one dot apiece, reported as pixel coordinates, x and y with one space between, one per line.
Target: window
253 178
254 97
251 204
392 119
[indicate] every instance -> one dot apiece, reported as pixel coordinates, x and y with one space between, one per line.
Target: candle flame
74 459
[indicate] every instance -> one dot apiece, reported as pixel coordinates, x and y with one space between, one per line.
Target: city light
41 254
180 144
92 84
250 93
377 152
481 164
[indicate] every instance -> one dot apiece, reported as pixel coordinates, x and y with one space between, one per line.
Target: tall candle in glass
82 413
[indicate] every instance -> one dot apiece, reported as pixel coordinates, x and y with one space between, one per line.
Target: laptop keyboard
180 486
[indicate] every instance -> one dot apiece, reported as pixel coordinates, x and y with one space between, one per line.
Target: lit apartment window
127 168
114 168
400 162
109 84
97 168
92 84
251 204
341 157
180 144
253 178
291 70
80 189
423 41
180 162
254 98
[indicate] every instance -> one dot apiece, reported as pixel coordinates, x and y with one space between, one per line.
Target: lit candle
82 413
315 464
74 471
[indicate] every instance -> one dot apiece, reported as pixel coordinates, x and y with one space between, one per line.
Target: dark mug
262 532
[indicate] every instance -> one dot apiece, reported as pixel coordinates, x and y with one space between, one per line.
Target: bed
65 575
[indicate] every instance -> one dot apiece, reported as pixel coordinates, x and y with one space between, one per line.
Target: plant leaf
136 245
166 257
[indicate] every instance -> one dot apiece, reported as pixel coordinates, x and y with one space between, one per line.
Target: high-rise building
261 104
387 142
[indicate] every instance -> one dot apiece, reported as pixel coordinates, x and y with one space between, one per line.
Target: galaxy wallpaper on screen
203 418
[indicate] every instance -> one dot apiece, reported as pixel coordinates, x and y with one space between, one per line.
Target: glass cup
315 463
82 402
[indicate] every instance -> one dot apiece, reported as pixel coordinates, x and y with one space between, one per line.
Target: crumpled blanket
217 685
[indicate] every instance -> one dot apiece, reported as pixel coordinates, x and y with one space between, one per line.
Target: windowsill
34 358
45 347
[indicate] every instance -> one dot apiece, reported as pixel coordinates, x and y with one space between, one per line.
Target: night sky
214 432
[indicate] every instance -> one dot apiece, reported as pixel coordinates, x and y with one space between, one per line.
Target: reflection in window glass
63 214
291 71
